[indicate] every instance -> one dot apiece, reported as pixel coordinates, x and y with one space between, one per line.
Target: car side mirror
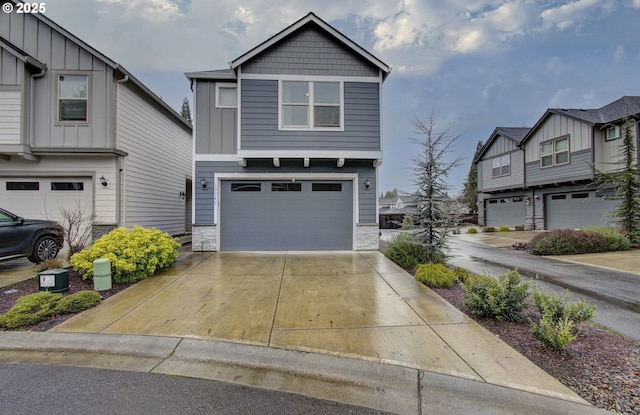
20 220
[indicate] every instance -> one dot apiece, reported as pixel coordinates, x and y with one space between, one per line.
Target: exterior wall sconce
203 183
103 181
183 195
478 203
537 197
527 200
367 184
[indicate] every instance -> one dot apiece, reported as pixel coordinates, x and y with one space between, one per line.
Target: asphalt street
612 292
56 390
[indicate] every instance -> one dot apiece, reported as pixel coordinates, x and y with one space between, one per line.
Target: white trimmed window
612 133
226 96
501 166
555 152
311 105
73 98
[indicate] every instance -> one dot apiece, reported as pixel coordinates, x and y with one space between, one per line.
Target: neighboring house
557 189
78 129
392 211
500 166
287 145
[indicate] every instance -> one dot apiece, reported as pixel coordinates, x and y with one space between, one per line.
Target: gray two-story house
287 144
551 181
80 132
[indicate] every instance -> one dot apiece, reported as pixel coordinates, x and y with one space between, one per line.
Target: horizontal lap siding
515 179
259 120
578 168
10 117
204 198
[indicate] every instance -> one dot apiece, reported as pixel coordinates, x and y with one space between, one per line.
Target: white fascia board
317 78
312 154
216 157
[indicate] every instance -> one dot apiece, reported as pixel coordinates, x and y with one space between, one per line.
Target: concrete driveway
346 304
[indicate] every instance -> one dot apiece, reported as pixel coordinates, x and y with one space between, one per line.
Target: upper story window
311 105
226 96
612 133
73 98
554 152
501 166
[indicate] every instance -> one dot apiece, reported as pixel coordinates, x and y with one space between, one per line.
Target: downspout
120 207
32 103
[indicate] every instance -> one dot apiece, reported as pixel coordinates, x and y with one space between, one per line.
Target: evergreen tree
185 111
431 169
622 183
470 192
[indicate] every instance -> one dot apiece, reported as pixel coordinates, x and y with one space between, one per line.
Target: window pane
77 186
495 162
546 161
562 157
23 185
546 148
327 93
73 86
227 97
326 116
295 92
505 160
562 145
506 170
495 172
295 115
286 187
326 187
73 110
246 187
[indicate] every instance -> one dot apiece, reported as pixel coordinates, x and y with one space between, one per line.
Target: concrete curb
380 386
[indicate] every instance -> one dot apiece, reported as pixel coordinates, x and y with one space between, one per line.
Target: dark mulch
602 367
30 286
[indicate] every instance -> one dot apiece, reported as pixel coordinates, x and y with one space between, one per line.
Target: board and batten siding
62 56
157 165
310 51
10 116
500 145
215 128
578 168
513 180
11 69
204 198
259 120
556 126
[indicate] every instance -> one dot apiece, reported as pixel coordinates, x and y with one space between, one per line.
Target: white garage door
43 197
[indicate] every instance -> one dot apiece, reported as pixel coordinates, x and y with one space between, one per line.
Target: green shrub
472 230
501 298
568 242
30 309
616 239
78 302
489 229
463 275
556 335
519 227
135 254
557 327
435 275
406 252
504 228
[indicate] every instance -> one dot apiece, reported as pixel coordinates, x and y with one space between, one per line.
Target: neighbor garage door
505 211
286 215
574 210
43 197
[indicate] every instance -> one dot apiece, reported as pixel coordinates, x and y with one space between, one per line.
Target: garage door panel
577 209
286 220
508 211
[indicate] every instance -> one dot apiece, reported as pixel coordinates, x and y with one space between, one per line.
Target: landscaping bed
601 367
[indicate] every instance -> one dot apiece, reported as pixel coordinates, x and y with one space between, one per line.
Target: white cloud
158 11
618 54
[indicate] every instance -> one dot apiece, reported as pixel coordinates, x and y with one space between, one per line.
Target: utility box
53 280
102 274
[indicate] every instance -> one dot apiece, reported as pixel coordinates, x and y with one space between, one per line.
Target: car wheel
46 248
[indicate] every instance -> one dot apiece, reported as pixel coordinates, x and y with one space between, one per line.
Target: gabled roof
514 134
21 54
311 18
114 65
610 113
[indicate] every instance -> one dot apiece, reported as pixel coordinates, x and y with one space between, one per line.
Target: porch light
103 181
203 183
183 195
367 184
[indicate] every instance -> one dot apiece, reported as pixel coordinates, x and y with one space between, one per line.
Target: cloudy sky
476 64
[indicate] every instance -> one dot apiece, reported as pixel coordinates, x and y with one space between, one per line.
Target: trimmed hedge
435 275
568 242
135 254
30 309
78 302
617 240
405 251
502 298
